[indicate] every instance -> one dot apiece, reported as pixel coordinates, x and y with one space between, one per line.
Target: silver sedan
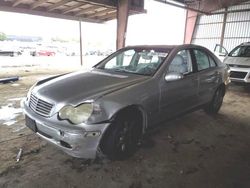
109 108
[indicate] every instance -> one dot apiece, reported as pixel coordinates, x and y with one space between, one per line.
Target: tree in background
2 36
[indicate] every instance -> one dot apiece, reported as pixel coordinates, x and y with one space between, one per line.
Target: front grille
236 74
40 106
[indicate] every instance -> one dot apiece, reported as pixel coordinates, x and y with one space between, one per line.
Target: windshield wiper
130 72
119 70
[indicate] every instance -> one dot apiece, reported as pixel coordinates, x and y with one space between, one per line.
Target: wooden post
122 22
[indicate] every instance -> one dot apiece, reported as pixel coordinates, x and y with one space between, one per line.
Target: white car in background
238 60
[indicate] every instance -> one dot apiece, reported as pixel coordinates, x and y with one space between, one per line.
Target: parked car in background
26 50
9 50
46 53
43 52
239 62
10 53
109 108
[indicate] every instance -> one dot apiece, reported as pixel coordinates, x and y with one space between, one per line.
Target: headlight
77 114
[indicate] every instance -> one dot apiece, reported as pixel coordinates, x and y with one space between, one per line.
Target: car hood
77 87
237 61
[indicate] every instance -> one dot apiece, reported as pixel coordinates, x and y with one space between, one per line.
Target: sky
162 24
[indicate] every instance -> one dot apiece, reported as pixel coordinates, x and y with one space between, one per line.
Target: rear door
180 95
208 75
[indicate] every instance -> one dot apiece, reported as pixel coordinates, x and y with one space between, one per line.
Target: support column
191 19
223 29
80 30
122 22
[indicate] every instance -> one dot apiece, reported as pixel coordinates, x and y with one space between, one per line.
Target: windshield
240 51
135 61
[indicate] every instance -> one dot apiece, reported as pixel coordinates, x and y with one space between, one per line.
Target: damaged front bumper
78 141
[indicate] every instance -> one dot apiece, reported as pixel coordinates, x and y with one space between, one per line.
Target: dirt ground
194 151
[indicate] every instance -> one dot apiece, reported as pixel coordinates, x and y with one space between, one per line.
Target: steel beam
100 13
80 32
213 5
223 29
70 9
109 16
17 2
122 22
203 6
84 11
58 4
191 18
231 11
37 4
43 12
182 6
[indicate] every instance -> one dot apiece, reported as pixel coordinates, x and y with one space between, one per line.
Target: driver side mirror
173 76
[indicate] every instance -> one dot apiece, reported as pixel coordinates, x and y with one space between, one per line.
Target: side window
212 62
181 63
201 59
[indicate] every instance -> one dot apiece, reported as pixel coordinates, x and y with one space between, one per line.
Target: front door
220 52
180 95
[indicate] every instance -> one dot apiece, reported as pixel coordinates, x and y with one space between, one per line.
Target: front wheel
214 106
122 138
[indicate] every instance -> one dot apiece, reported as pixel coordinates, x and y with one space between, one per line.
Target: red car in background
43 53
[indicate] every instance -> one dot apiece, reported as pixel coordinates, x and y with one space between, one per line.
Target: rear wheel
214 106
121 139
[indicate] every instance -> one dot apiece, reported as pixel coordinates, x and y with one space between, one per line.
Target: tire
121 139
214 106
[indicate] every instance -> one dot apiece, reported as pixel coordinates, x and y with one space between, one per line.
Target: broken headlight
78 114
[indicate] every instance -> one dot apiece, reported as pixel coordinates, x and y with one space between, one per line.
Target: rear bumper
81 142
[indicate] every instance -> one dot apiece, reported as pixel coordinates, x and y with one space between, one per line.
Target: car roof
163 46
245 44
153 46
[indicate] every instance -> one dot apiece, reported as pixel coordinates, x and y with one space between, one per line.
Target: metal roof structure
102 10
82 10
202 6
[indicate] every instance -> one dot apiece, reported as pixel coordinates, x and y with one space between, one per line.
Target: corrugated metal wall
208 30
